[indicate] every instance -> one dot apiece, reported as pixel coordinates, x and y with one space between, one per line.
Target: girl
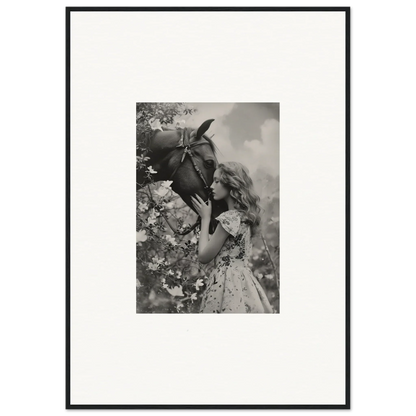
231 286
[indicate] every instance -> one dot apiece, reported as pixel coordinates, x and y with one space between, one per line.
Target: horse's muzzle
210 194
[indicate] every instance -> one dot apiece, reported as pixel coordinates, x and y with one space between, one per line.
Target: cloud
206 111
261 152
264 153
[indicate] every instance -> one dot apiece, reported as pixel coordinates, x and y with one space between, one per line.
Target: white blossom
166 184
199 283
170 205
141 236
153 213
162 191
151 170
155 124
183 227
175 291
171 240
152 266
158 260
143 207
151 221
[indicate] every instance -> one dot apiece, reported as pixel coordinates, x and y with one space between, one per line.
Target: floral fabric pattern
230 220
231 286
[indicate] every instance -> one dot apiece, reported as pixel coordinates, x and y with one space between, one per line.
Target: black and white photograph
207 231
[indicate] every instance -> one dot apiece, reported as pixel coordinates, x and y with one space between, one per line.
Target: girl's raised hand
203 210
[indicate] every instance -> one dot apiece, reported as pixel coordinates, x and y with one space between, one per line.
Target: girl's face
219 191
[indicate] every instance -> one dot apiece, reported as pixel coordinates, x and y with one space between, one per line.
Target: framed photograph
208 172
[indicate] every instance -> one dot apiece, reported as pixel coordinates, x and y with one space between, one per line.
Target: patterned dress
231 286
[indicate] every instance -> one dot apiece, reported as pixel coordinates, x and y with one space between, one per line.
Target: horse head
187 157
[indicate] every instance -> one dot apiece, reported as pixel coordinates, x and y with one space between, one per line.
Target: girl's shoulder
230 214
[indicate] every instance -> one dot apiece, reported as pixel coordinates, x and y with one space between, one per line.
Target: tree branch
276 275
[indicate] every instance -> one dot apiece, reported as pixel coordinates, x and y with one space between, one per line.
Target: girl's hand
203 210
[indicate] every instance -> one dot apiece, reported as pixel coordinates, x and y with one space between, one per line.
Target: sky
244 132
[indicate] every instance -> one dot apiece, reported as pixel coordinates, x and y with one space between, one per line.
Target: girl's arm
209 248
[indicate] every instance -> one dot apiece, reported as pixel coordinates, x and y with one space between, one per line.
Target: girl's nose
212 186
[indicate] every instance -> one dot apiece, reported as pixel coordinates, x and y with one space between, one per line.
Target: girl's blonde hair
235 177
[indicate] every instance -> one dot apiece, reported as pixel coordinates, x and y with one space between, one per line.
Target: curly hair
235 177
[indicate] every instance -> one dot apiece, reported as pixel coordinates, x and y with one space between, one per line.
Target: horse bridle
184 143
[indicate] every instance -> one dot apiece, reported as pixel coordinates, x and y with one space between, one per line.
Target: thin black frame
350 209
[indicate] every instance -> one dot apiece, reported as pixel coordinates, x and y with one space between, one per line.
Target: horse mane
211 143
144 137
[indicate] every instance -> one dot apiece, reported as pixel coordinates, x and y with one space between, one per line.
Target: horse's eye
209 163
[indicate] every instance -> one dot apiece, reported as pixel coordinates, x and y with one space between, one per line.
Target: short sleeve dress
231 286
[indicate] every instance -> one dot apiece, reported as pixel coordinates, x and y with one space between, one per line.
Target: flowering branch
276 275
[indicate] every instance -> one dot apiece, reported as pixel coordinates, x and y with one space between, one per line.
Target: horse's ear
203 128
